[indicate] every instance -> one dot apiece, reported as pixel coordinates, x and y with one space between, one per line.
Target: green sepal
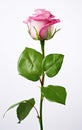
56 30
52 64
54 93
37 35
30 64
50 35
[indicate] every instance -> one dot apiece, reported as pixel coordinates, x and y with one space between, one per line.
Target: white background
14 88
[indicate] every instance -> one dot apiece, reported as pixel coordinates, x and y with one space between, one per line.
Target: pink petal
27 20
44 29
39 10
43 14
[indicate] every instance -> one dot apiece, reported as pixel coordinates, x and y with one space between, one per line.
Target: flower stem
42 84
42 48
41 121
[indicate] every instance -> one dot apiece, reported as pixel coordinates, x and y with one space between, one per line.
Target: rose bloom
41 24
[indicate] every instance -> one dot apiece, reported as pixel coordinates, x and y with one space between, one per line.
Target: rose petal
43 14
44 30
38 11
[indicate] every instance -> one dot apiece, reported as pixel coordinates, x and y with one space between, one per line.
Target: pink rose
41 24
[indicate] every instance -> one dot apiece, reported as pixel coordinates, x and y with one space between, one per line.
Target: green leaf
14 105
30 64
54 93
24 108
52 64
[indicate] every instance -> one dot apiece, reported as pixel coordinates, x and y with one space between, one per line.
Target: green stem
42 48
42 84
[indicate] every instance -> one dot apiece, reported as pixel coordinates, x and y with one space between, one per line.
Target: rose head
41 24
